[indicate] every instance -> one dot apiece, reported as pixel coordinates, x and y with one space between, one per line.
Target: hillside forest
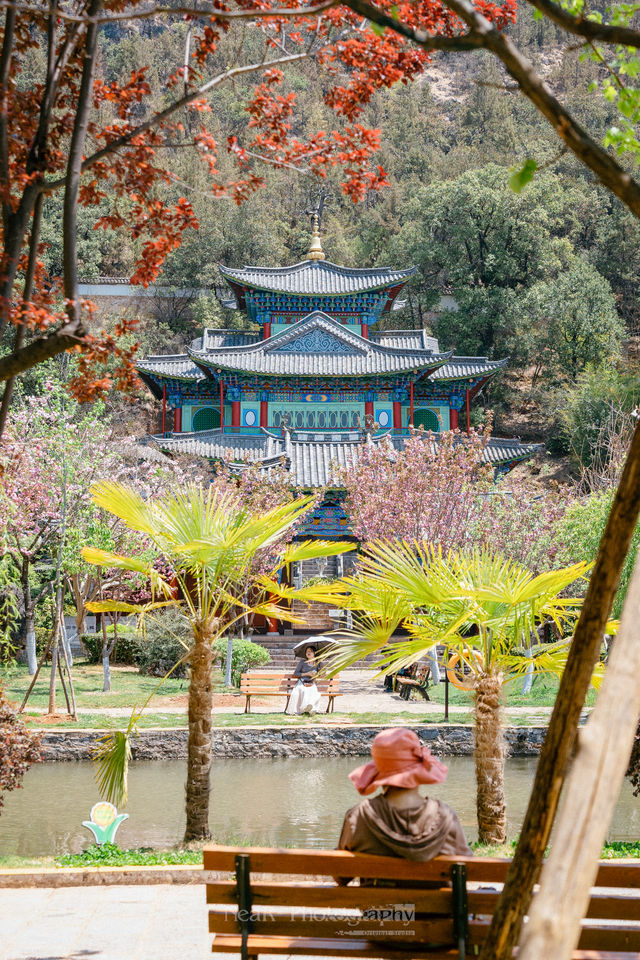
547 276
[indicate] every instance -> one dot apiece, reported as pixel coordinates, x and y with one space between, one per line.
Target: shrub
19 747
586 408
579 534
633 771
245 655
126 651
166 640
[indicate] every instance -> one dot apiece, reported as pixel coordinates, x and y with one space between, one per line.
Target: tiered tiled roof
316 278
318 346
389 353
311 457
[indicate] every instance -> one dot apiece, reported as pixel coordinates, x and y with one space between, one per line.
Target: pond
292 802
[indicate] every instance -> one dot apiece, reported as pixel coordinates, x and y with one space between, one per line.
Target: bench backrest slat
431 930
342 863
313 916
329 895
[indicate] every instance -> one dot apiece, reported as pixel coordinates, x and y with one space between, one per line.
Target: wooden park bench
261 683
436 910
417 681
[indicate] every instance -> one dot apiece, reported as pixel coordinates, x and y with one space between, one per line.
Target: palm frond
311 549
106 559
125 503
111 756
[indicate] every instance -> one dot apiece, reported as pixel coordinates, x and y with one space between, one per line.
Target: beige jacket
420 833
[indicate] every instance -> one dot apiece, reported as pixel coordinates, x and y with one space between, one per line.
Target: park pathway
105 923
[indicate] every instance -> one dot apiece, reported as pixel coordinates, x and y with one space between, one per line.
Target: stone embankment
277 742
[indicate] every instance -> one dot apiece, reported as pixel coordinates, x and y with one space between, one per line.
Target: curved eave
241 285
496 367
215 366
147 379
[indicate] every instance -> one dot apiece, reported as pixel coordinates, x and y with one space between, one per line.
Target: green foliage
585 408
478 603
110 855
613 850
571 322
579 534
512 263
167 637
111 757
521 178
9 612
126 650
245 655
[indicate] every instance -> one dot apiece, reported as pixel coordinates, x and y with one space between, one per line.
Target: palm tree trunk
489 760
199 746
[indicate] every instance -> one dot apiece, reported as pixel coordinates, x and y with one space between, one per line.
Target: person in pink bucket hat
399 821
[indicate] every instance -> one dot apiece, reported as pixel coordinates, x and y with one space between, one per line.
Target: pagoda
317 379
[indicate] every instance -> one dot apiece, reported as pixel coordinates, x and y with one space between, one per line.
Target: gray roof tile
212 339
311 463
318 345
316 278
180 367
405 339
463 367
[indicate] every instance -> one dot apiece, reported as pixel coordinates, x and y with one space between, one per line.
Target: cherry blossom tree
437 489
53 452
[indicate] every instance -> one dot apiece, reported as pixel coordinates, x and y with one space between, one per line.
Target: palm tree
484 607
211 544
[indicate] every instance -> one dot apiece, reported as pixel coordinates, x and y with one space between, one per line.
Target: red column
177 420
235 416
411 403
397 415
368 414
221 407
266 331
453 419
164 410
468 413
264 413
365 330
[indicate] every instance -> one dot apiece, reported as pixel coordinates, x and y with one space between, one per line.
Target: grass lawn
112 856
98 721
543 694
128 687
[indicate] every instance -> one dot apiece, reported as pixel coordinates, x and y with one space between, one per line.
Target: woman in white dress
305 696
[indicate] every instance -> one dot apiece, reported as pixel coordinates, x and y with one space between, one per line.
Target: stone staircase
281 651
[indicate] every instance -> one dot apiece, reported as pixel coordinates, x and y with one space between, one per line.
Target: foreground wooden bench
261 683
263 907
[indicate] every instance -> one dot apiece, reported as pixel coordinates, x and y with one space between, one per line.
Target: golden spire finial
315 250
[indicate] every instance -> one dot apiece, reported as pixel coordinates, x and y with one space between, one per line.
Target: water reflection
272 802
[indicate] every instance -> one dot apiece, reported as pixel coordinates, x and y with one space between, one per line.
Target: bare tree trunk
54 667
589 798
79 601
199 746
29 624
107 650
489 760
563 726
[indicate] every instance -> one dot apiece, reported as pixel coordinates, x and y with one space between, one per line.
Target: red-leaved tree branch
54 138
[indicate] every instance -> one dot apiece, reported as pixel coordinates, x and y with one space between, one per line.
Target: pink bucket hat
399 760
